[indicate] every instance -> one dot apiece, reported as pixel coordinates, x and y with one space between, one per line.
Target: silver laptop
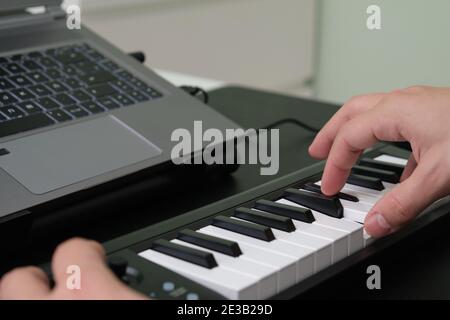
76 112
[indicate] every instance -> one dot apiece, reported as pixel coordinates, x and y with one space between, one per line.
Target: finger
410 167
27 283
403 203
352 139
87 259
322 143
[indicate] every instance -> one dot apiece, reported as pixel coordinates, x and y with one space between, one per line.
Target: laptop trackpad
54 159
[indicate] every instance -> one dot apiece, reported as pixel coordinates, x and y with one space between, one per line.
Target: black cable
196 92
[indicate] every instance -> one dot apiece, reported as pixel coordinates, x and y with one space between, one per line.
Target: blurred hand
419 115
97 280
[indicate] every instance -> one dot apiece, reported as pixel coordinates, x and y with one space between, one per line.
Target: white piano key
264 276
392 159
326 249
232 285
285 266
368 239
305 257
353 229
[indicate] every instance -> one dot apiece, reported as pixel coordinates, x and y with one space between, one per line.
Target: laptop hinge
24 18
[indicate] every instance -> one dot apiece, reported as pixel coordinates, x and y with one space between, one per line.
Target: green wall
413 47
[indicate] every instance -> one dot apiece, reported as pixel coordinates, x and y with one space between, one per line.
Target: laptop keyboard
43 88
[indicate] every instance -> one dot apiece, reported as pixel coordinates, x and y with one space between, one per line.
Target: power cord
197 92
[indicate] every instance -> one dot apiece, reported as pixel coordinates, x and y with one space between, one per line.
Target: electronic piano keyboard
275 241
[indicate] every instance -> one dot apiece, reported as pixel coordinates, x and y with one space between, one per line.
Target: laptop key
97 78
14 68
59 115
5 84
48 103
48 62
31 122
152 92
6 99
30 107
40 90
3 72
109 104
12 112
21 80
70 57
2 117
73 83
31 65
77 111
64 99
123 99
57 86
138 96
101 90
38 77
92 107
54 74
80 95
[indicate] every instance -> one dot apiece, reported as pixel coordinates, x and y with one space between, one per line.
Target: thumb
405 201
96 280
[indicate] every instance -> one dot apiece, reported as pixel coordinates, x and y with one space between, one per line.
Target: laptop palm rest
57 158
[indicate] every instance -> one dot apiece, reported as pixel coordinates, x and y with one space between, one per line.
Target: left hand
97 280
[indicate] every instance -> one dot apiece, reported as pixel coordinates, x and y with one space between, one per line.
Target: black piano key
249 229
265 219
299 214
384 175
198 257
227 247
330 206
397 168
366 182
310 186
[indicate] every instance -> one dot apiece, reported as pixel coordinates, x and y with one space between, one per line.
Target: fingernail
380 221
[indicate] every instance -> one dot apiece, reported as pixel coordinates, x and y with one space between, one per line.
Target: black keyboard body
170 285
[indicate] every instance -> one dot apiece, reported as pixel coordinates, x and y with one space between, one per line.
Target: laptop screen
9 5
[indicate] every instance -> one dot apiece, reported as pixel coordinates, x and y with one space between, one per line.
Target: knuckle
77 244
11 278
399 212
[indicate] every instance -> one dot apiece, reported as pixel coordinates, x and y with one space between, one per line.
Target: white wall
262 43
413 47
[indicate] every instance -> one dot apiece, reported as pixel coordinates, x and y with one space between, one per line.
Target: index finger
357 135
322 143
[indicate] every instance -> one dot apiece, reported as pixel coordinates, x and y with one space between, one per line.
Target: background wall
283 44
412 47
261 43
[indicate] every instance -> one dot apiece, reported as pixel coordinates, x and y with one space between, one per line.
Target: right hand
419 115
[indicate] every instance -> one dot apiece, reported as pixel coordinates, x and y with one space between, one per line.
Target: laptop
76 112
